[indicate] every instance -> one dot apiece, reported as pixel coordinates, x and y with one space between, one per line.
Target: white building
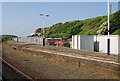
96 43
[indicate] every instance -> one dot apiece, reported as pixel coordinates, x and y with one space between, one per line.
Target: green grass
116 32
83 27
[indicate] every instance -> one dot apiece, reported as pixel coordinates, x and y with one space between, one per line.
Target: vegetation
7 37
93 26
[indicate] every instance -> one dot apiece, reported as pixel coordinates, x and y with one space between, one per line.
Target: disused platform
65 50
80 58
73 53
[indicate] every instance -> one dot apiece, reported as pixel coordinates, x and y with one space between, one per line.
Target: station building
96 43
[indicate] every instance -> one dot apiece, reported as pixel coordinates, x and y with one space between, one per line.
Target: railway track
97 59
12 74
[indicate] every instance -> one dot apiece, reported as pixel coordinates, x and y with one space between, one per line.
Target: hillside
93 26
7 37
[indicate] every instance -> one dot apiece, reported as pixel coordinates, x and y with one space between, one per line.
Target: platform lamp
43 32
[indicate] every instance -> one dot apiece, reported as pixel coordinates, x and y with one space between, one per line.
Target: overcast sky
22 18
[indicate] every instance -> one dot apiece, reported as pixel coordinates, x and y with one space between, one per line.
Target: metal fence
35 40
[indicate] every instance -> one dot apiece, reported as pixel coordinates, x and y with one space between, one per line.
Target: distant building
36 34
32 34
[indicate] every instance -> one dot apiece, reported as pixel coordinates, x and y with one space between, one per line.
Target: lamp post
43 32
108 39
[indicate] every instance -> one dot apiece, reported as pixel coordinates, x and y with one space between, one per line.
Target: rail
16 70
86 58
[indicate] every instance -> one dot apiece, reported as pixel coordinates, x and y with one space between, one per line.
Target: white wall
114 44
119 44
86 42
74 38
102 39
35 40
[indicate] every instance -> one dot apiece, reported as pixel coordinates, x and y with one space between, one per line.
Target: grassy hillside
7 37
93 26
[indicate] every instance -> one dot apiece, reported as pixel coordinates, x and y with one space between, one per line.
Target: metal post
17 39
43 32
108 40
43 41
43 26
